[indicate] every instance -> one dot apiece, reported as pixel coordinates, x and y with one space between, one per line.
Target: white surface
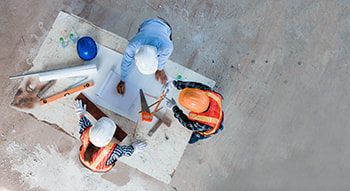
82 70
127 105
109 94
165 147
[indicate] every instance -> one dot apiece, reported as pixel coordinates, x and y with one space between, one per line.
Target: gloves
166 87
139 146
79 108
170 103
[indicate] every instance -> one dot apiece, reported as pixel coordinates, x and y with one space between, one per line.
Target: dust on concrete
278 136
26 96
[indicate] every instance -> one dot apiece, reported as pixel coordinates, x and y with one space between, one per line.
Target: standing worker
151 48
205 105
98 152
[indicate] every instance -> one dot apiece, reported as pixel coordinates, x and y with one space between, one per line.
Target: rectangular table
165 148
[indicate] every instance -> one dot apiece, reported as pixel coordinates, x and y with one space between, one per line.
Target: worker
150 48
98 152
205 105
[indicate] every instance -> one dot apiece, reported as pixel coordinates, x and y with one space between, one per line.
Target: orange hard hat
194 99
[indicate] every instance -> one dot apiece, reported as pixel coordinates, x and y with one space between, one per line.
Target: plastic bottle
63 42
73 38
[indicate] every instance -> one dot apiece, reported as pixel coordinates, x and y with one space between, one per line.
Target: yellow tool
66 93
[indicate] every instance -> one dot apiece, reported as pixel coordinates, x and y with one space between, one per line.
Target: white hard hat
102 131
146 59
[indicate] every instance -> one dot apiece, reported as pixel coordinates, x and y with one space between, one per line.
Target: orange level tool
66 93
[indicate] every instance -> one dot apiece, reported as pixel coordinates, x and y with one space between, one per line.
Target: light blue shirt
153 33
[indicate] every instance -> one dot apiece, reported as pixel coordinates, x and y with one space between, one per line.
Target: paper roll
82 70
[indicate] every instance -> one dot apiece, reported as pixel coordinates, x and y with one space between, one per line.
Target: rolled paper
74 71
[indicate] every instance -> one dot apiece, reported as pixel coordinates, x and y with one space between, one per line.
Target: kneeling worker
98 152
205 105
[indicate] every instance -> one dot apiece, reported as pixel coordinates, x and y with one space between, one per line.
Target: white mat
108 93
104 92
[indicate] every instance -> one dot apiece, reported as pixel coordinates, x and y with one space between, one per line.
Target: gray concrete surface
282 67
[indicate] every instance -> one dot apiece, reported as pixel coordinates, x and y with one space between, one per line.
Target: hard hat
102 131
146 59
194 99
86 48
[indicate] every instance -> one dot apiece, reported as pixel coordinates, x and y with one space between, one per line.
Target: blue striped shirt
181 117
118 151
153 33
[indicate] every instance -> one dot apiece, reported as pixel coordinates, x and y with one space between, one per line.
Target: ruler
66 93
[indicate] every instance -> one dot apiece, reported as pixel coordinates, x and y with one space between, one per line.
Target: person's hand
166 88
160 74
139 146
121 87
80 109
170 103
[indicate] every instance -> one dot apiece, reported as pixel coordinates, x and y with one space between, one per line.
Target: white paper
109 94
108 60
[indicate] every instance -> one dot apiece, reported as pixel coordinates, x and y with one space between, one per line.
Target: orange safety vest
213 116
99 159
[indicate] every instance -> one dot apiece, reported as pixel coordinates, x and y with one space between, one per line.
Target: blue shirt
153 33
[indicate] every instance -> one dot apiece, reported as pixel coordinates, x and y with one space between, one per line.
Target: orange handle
146 116
66 93
160 100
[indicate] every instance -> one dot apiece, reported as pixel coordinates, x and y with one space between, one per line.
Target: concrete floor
282 67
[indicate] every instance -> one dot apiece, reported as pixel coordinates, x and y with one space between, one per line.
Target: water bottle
73 38
63 42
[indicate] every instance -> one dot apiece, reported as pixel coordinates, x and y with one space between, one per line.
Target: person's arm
164 54
127 60
84 123
189 124
178 84
120 151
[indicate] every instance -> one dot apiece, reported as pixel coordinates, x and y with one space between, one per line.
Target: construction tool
145 113
66 93
146 116
165 120
43 92
77 83
158 103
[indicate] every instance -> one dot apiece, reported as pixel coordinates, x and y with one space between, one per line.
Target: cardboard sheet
166 146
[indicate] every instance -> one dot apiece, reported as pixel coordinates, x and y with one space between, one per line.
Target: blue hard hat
86 48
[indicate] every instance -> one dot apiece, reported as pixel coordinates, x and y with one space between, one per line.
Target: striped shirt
118 151
180 116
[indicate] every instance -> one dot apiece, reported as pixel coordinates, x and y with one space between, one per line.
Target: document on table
109 94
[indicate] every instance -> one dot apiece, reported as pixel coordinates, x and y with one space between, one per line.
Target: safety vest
99 159
213 116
